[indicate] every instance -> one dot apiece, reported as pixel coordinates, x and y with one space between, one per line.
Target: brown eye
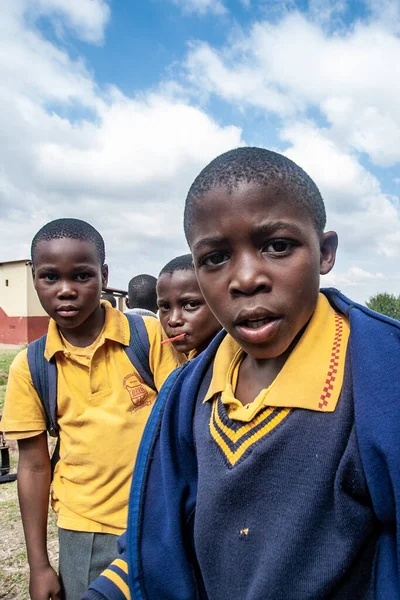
49 277
214 259
279 247
192 305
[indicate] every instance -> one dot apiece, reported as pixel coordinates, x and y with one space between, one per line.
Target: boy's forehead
179 279
53 249
220 202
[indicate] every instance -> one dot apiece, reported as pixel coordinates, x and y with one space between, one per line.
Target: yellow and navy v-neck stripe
311 379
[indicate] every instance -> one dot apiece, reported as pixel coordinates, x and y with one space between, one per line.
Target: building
22 318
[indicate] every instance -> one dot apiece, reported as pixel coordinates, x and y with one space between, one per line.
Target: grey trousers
83 556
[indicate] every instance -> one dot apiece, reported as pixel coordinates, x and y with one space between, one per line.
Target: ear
127 302
104 276
33 275
329 244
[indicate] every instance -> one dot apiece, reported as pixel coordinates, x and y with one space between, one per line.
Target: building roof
27 261
115 291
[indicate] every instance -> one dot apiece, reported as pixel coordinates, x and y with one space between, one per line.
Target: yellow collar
116 328
319 358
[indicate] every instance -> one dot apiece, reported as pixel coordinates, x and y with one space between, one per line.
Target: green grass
14 572
6 358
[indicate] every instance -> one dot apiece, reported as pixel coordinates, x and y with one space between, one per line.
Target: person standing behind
102 408
142 296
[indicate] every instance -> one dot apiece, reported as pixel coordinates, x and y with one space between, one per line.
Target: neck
87 332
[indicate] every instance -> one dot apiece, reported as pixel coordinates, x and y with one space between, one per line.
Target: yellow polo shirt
103 406
311 379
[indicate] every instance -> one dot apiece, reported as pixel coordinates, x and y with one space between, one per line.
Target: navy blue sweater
161 556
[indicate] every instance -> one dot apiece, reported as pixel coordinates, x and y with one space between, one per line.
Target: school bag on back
44 372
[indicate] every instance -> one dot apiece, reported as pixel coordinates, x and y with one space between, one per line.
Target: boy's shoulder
19 365
361 316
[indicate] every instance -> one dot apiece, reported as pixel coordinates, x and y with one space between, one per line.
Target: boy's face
68 278
258 259
182 309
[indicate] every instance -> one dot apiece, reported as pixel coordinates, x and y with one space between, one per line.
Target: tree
387 304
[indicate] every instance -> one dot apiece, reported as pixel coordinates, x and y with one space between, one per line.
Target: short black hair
142 292
73 229
261 166
110 298
180 263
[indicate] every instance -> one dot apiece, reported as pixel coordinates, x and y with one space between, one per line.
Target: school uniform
102 409
294 496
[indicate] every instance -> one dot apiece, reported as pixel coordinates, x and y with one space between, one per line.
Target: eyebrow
263 229
209 241
53 267
271 228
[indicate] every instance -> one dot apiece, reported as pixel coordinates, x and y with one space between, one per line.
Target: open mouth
256 323
258 329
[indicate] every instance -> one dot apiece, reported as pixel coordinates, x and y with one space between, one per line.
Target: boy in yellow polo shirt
102 407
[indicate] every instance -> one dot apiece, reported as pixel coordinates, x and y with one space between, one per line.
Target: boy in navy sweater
269 468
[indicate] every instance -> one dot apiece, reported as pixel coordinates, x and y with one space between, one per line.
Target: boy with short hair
270 466
183 312
102 408
142 295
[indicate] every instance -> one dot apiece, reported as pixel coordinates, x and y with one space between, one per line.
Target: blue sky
110 109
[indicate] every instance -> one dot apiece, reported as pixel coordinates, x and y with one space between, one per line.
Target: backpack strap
138 350
44 379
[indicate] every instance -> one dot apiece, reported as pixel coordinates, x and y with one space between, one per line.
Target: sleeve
160 535
163 358
112 584
23 413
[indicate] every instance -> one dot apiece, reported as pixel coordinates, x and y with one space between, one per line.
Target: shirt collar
319 356
116 328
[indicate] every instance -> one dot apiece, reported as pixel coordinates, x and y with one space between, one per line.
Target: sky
110 108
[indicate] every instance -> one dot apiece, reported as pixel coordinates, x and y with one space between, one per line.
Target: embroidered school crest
137 392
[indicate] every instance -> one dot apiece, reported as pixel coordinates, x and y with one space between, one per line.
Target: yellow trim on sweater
234 455
117 579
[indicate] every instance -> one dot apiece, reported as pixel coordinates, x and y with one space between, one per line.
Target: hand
44 584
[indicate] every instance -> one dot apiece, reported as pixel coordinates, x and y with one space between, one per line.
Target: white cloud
355 276
365 218
295 64
86 18
386 13
201 7
360 284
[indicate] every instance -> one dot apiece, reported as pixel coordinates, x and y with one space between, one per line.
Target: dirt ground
14 574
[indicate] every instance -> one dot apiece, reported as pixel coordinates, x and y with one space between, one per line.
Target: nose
175 318
250 275
66 289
